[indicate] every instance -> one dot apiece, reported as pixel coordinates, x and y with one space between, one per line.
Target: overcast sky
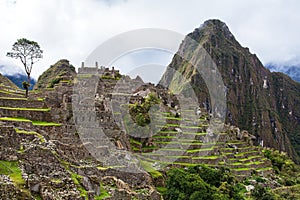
72 29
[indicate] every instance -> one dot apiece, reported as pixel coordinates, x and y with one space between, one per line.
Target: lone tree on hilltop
29 52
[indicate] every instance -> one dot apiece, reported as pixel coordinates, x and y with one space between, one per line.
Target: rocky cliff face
264 103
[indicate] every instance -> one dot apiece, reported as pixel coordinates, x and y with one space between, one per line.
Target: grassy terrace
148 167
133 141
182 143
184 133
17 119
235 142
249 158
20 98
9 88
200 150
177 157
14 98
41 123
164 137
193 133
84 75
245 153
35 123
27 109
242 169
171 149
172 118
264 169
11 93
42 139
205 157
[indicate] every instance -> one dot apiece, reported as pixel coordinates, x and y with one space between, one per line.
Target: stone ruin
93 101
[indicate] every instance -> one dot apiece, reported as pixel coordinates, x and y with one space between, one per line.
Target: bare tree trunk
28 85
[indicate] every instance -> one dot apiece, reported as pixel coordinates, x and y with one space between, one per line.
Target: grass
65 81
253 163
27 109
245 153
42 139
149 147
182 143
236 163
184 164
171 149
152 171
242 169
200 150
194 133
77 181
41 123
110 167
11 93
164 137
161 190
17 119
11 169
264 169
250 158
205 157
35 123
177 157
236 142
135 148
133 141
193 127
173 118
103 193
14 98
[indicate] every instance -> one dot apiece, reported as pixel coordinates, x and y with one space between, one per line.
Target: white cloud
72 29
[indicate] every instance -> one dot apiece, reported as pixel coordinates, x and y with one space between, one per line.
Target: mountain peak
212 27
216 23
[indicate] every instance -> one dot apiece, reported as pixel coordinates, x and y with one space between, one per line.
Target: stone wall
22 103
9 143
34 115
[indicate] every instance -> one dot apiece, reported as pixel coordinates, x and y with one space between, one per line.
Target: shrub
202 182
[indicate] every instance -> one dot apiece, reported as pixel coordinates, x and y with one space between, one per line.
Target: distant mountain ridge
264 103
18 79
292 71
16 76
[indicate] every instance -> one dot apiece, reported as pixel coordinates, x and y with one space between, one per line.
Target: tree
29 52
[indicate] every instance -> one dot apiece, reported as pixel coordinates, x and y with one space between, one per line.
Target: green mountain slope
264 103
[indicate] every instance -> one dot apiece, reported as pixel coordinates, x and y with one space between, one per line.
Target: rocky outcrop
60 71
